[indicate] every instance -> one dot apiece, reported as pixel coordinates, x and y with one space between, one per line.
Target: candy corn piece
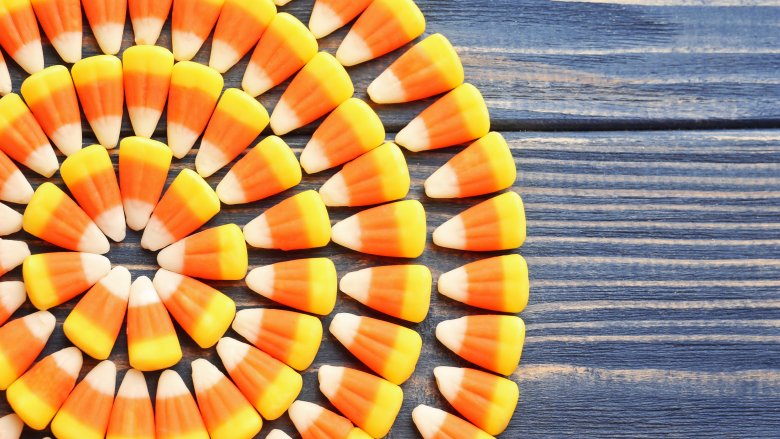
315 422
240 25
54 278
485 399
38 394
12 296
315 91
192 22
395 229
367 400
193 95
148 18
21 341
188 203
298 222
146 71
107 20
288 336
274 434
495 224
203 312
5 88
132 416
438 424
401 291
498 284
305 284
494 342
61 22
285 47
218 253
267 169
85 413
52 216
152 343
89 174
52 99
329 15
351 130
235 124
22 139
11 426
14 187
225 411
19 34
457 117
99 84
388 349
377 176
268 384
430 67
382 28
143 169
12 254
93 324
176 414
10 220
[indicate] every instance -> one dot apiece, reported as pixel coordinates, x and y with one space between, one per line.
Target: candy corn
305 284
14 187
457 117
430 67
240 25
274 434
218 253
485 399
288 336
107 20
192 21
152 343
85 413
5 87
495 224
12 254
148 18
52 99
225 411
188 203
494 342
267 169
54 278
401 291
22 139
12 296
298 222
317 89
329 15
369 401
143 169
19 34
285 47
315 422
268 384
438 424
382 28
11 426
132 416
236 122
203 312
193 95
93 324
377 176
10 220
176 415
99 84
146 71
498 284
388 349
61 22
52 216
89 174
21 341
395 229
38 394
351 130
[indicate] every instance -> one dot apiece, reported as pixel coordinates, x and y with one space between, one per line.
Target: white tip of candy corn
170 385
451 234
451 333
414 136
43 161
109 37
442 184
147 30
144 120
102 377
283 119
95 267
10 220
69 360
258 233
185 45
67 138
107 130
323 20
112 223
428 420
12 254
17 189
94 241
117 282
11 426
449 380
256 81
68 45
231 352
133 385
172 257
137 213
12 295
313 158
454 284
330 380
344 327
41 324
356 284
347 233
353 50
205 375
155 236
229 190
386 88
303 414
276 434
223 56
181 139
209 160
30 56
335 192
261 278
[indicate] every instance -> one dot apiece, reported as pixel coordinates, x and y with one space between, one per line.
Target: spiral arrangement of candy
264 380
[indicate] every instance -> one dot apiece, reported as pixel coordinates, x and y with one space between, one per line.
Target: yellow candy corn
143 169
146 71
23 139
495 224
315 422
494 342
192 98
395 229
298 222
21 341
10 220
54 278
240 25
11 426
175 413
436 424
305 284
132 416
152 343
51 96
217 253
12 254
85 413
100 87
12 296
401 291
14 187
498 284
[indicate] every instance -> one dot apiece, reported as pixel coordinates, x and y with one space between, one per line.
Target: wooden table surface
647 138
